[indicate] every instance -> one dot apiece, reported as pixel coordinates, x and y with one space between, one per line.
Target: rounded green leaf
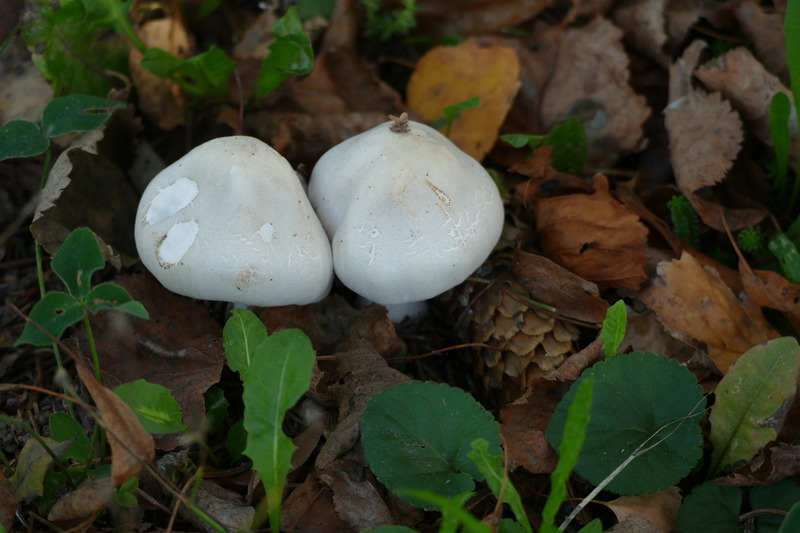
64 428
417 436
55 313
76 260
21 138
76 112
111 296
154 406
710 508
639 400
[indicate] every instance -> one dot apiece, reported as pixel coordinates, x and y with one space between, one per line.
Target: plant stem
92 347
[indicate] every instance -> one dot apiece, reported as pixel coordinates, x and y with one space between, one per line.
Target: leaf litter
640 82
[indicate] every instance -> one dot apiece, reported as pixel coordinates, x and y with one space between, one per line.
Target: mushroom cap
231 221
408 213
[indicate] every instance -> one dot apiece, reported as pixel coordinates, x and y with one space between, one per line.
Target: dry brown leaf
770 289
87 186
228 508
448 75
361 374
90 497
9 503
310 507
588 80
774 463
765 31
357 500
523 424
594 236
546 282
660 508
161 100
131 445
705 136
694 303
741 79
474 17
644 27
179 347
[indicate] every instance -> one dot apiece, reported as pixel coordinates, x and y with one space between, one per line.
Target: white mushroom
231 221
409 215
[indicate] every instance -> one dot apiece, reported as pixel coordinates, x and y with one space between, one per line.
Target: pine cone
526 342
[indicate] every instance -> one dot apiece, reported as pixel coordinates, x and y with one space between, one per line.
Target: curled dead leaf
693 303
594 236
660 508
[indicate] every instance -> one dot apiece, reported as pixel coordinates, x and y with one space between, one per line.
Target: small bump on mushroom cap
230 221
409 215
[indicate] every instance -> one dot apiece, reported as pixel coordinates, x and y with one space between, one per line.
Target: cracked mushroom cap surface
231 221
408 213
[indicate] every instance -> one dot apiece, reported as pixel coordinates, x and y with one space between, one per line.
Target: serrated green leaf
242 334
570 146
278 376
290 53
614 328
21 138
710 508
65 428
751 401
78 258
75 113
154 406
111 296
491 467
73 51
639 400
417 436
569 450
55 313
787 254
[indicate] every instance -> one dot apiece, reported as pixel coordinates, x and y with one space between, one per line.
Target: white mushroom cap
409 215
231 221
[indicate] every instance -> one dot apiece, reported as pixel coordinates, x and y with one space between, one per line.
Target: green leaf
21 138
751 401
205 75
781 496
278 376
641 401
518 140
125 493
55 313
569 450
570 146
290 53
78 258
417 436
236 440
111 296
614 328
710 508
217 406
242 334
791 524
74 51
76 112
65 428
595 526
154 406
491 467
453 112
452 509
114 14
787 254
780 109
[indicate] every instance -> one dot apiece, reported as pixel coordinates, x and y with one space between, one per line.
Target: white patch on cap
170 200
179 239
265 232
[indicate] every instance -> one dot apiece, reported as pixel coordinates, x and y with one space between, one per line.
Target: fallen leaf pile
674 98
